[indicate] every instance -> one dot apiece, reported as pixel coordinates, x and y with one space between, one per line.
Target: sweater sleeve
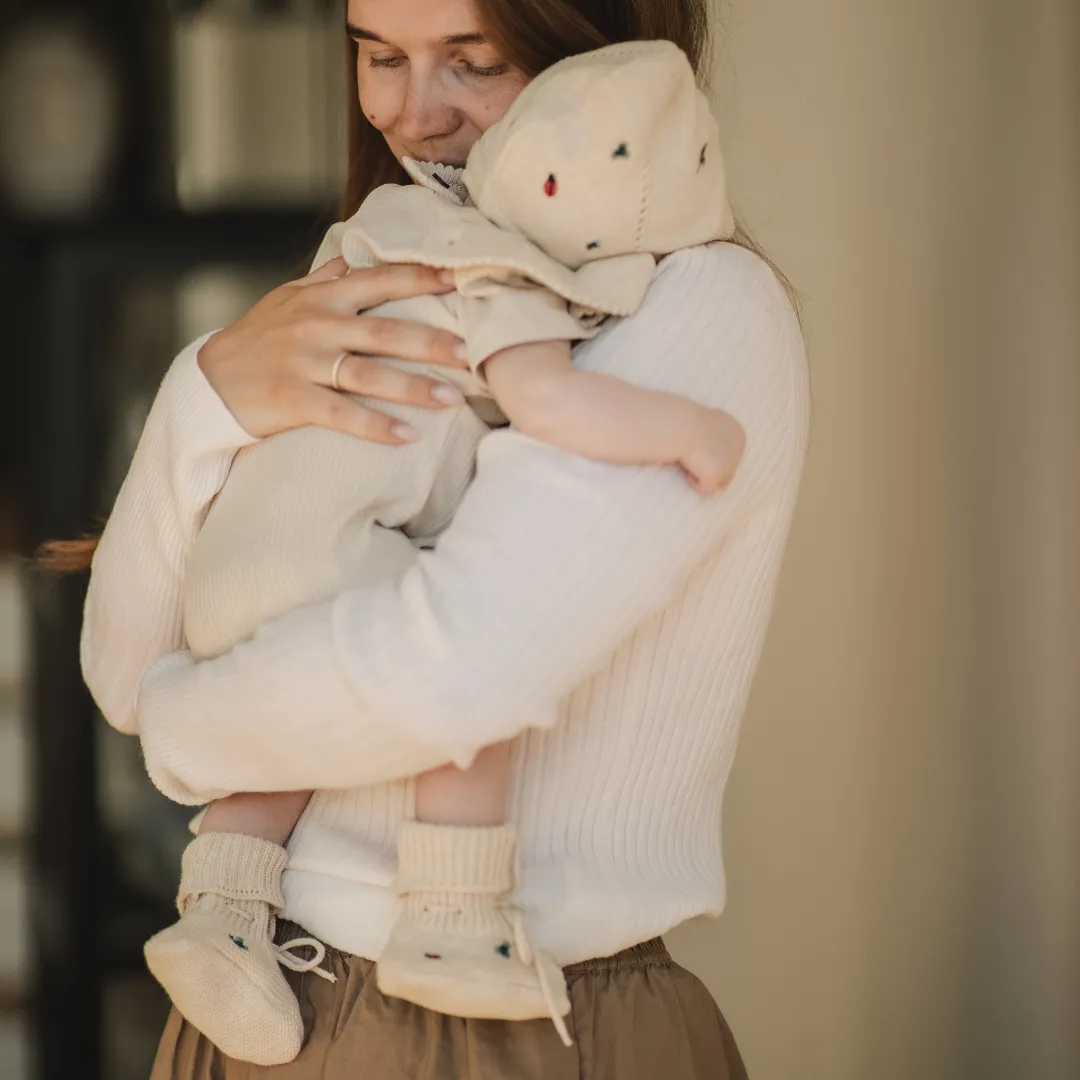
550 562
131 616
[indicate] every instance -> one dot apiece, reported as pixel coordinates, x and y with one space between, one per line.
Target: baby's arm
600 416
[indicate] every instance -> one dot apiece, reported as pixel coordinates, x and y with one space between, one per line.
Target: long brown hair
532 35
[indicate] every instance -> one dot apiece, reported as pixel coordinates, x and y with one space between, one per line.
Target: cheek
493 106
379 99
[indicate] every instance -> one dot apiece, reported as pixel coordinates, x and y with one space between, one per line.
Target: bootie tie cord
294 963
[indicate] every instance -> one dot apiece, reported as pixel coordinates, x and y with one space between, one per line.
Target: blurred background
903 823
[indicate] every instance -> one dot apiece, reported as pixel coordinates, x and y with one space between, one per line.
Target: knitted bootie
458 946
219 963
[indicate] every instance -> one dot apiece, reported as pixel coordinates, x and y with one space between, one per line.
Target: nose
427 112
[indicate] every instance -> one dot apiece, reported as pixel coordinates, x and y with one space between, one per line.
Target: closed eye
485 72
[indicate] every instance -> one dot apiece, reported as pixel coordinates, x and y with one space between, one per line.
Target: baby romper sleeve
500 315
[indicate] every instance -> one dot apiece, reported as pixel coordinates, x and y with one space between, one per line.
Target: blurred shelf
173 238
165 219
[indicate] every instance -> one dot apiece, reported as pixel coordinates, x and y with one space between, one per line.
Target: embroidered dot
237 941
701 159
550 187
432 956
621 151
503 949
592 245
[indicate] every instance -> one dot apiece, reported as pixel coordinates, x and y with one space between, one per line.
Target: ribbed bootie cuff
456 858
234 866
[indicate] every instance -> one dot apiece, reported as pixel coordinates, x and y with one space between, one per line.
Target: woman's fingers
325 408
369 287
273 367
371 377
334 268
389 337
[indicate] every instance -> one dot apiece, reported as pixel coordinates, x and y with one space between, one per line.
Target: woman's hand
273 368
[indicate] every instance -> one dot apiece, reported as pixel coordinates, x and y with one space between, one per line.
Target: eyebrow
360 34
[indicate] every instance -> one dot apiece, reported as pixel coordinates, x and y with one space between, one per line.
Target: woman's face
427 78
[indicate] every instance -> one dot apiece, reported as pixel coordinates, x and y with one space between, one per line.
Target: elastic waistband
648 954
652 953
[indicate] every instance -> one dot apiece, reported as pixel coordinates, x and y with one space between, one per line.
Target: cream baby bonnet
605 153
605 161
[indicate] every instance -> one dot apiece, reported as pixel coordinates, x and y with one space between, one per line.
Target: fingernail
461 351
405 432
447 394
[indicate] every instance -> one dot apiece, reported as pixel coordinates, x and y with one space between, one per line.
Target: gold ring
334 374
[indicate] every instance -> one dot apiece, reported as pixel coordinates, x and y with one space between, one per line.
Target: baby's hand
716 448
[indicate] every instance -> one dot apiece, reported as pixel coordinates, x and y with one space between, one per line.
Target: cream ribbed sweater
607 614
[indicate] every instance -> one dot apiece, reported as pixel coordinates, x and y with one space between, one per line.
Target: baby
604 162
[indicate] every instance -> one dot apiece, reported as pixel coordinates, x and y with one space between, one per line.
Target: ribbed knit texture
462 858
607 614
232 865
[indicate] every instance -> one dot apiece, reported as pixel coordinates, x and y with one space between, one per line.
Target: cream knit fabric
218 963
608 604
610 152
459 946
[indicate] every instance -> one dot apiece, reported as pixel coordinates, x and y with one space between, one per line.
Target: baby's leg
473 796
458 946
218 963
266 815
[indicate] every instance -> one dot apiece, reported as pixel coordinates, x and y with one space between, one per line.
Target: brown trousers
636 1016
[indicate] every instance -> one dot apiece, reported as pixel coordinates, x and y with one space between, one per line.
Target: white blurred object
13 765
259 106
59 119
13 662
14 1049
216 295
13 913
14 630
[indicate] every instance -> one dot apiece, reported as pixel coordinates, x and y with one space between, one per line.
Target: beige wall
903 825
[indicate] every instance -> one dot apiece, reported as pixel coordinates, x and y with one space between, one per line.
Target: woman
614 592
